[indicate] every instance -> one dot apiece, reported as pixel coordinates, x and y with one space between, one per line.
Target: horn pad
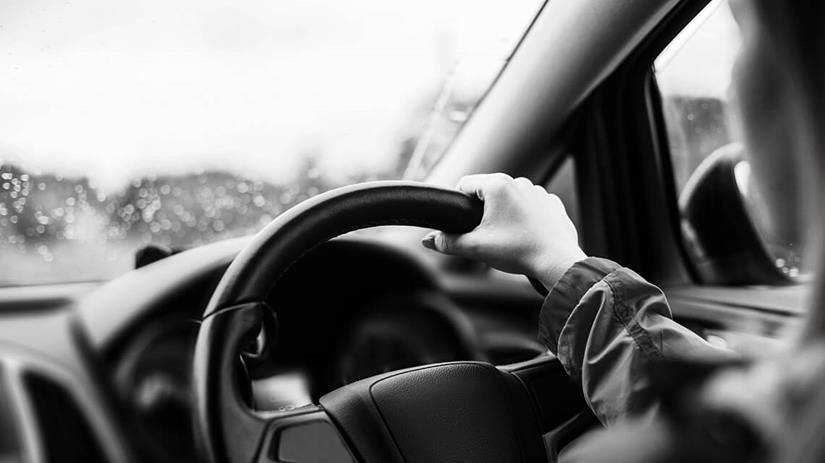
452 412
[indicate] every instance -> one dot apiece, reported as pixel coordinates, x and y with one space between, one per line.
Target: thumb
447 243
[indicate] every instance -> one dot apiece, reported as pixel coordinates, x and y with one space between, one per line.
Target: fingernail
429 241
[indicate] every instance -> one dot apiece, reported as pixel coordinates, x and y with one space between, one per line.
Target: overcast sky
114 89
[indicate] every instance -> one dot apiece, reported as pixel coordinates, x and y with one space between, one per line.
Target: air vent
65 430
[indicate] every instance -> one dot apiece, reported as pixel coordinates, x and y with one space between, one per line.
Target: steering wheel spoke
305 435
562 412
238 431
555 396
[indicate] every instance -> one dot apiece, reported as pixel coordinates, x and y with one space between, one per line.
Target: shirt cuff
566 294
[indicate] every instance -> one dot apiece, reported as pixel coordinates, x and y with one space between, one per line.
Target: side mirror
721 236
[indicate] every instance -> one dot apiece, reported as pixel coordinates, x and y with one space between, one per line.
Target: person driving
663 392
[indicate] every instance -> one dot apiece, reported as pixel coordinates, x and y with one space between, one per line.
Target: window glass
694 75
126 123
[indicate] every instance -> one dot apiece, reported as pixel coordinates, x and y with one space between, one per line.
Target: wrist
549 271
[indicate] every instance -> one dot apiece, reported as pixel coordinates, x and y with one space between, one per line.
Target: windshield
179 123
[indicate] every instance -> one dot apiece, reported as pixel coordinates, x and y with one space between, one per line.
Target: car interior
322 338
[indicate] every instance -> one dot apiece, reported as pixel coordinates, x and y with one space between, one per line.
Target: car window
693 75
126 123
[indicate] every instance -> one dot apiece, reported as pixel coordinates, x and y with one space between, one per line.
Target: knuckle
501 178
499 182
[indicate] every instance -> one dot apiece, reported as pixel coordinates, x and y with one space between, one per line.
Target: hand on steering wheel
524 230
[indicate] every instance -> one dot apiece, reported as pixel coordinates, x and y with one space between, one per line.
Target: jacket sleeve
605 323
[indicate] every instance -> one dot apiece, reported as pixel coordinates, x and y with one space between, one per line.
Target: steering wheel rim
230 430
256 270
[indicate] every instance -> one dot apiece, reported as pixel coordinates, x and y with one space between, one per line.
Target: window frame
624 134
625 164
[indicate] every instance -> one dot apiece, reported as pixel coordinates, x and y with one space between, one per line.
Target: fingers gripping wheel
229 429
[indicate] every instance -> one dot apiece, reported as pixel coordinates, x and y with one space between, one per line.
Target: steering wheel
457 411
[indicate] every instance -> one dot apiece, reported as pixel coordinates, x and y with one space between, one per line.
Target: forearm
606 324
